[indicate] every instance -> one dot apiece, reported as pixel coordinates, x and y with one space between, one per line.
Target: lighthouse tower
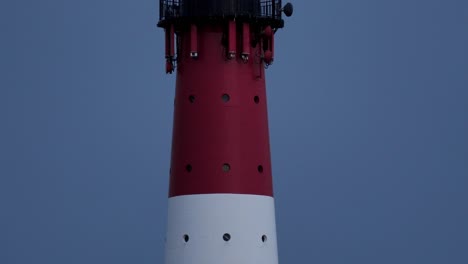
221 207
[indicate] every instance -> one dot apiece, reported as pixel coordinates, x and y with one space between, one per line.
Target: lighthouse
221 207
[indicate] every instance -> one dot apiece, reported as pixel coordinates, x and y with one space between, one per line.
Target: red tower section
220 134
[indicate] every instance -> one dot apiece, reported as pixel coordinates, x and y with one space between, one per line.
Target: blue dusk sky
368 112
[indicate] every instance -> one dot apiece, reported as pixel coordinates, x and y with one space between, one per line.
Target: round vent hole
226 167
186 238
260 168
256 99
264 238
226 98
191 98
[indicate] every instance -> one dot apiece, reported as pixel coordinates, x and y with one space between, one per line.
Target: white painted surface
206 217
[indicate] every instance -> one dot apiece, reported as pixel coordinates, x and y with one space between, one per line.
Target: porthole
226 237
226 167
256 99
260 168
191 98
225 98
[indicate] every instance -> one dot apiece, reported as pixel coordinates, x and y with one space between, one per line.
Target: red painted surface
193 39
209 132
246 38
232 34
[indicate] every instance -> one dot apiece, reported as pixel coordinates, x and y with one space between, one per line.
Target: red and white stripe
221 206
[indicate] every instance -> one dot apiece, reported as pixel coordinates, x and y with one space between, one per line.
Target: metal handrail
169 9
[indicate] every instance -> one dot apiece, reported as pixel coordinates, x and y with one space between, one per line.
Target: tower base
221 228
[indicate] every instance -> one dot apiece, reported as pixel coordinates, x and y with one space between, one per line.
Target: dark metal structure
259 11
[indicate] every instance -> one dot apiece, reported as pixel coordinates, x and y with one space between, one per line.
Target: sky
368 114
